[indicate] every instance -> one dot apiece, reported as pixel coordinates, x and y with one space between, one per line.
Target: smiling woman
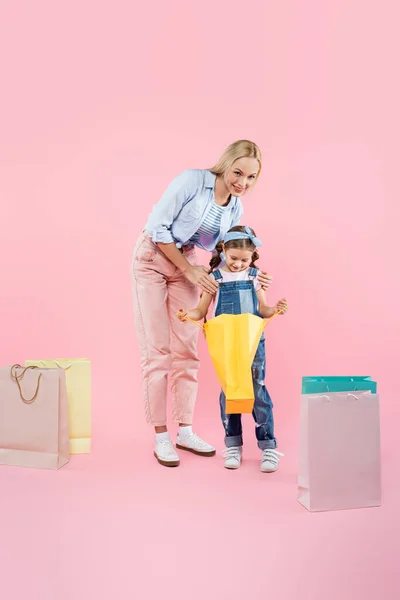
237 170
197 209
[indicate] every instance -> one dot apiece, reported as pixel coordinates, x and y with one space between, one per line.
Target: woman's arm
175 256
178 193
198 313
195 274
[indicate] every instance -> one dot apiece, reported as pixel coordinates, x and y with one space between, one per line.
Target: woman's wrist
175 256
185 268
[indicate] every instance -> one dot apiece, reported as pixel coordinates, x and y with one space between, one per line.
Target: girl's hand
182 315
282 306
264 279
199 276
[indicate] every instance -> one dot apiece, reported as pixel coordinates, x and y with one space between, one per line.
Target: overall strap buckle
217 275
253 273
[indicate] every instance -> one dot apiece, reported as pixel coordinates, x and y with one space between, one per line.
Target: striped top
209 229
180 211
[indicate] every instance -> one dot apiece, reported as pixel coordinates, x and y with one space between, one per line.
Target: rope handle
277 312
349 394
17 378
195 322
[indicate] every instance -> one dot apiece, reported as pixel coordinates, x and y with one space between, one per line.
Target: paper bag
232 343
33 418
78 378
321 385
339 455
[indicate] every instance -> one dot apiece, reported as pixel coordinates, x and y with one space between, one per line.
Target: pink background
101 105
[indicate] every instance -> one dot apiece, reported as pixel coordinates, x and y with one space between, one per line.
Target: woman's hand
199 276
282 306
264 279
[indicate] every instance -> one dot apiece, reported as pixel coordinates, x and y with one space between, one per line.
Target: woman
197 209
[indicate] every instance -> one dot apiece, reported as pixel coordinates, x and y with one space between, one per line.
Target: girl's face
238 259
241 176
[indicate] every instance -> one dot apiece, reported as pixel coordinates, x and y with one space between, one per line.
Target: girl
240 292
197 209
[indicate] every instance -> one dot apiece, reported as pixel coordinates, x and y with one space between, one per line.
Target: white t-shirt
229 276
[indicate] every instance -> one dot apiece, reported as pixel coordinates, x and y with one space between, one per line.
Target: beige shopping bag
34 428
339 458
79 382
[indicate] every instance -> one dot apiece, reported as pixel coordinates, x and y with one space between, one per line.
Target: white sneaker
233 457
192 443
165 453
270 460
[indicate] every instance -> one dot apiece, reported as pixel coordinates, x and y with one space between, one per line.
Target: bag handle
355 388
277 312
348 394
266 321
17 377
196 323
58 365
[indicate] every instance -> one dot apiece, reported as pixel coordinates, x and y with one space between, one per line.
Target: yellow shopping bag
79 383
232 342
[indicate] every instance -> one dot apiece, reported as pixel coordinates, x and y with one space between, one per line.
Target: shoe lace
271 455
232 452
198 441
167 445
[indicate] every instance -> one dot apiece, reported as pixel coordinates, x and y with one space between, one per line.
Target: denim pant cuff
233 441
267 444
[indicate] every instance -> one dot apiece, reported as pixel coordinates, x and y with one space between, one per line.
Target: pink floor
116 525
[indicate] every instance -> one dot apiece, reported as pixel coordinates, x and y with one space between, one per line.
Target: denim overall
235 298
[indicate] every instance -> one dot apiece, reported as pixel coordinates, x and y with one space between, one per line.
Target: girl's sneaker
270 460
233 457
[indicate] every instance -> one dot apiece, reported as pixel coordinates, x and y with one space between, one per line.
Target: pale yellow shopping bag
79 394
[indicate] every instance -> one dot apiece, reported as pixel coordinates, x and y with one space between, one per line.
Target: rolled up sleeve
181 190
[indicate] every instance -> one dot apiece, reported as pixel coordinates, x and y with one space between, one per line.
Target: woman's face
241 176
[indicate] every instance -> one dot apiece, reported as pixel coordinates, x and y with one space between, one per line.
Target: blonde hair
239 149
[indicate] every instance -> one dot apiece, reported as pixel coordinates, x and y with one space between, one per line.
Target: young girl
240 292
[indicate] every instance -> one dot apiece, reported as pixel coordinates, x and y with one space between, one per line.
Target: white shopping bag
339 455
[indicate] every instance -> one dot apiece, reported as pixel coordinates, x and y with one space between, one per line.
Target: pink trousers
168 347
